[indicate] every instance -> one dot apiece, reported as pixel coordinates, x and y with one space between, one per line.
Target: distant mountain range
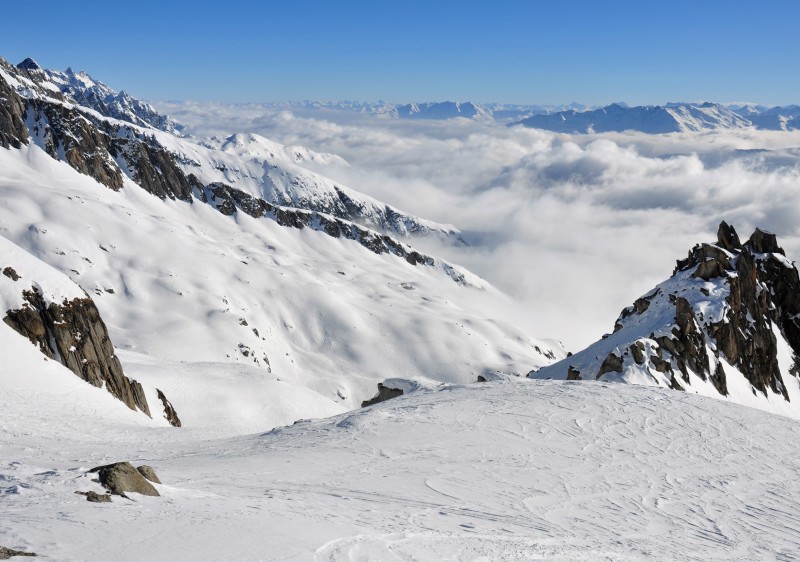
579 118
670 118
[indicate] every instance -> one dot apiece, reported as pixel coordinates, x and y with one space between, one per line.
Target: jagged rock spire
727 237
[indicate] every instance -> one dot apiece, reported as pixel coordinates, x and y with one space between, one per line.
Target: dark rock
121 477
10 273
29 64
763 242
155 169
481 378
149 473
573 374
94 497
384 393
169 411
13 131
727 237
74 334
637 351
6 553
67 134
611 363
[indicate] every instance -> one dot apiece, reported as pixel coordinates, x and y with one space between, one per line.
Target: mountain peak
725 324
29 64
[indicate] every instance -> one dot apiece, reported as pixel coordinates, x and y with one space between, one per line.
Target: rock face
169 412
121 477
13 132
729 310
384 393
74 334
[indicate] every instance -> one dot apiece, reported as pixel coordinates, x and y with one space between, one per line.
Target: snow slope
321 319
515 470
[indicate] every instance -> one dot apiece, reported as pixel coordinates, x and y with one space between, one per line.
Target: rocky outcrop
154 169
228 200
74 334
169 411
6 553
66 134
121 477
726 311
13 132
149 473
94 497
384 393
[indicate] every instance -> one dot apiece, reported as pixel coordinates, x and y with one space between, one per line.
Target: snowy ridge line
227 200
724 325
66 115
669 118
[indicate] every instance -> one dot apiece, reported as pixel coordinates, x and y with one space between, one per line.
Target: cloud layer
574 228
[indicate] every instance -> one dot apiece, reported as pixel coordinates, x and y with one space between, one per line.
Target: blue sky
507 51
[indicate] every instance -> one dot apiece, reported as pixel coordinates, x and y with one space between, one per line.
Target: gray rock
94 497
384 393
6 553
149 473
10 273
121 477
169 411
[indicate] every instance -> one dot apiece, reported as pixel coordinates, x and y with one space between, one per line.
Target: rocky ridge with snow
63 322
726 324
64 113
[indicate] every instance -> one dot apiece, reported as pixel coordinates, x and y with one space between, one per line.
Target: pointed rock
29 64
727 237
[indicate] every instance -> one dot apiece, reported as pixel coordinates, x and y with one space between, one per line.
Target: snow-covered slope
184 283
724 325
649 119
44 311
515 470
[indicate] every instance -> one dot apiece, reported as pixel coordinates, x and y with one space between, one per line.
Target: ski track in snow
513 470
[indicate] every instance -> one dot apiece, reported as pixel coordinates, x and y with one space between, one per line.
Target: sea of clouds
572 227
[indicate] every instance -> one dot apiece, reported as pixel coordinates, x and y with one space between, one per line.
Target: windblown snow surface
512 470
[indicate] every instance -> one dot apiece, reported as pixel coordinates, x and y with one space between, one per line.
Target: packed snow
514 470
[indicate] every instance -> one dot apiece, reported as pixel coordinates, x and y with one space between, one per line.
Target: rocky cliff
65 324
726 320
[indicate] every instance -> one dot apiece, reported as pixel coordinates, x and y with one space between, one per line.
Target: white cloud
573 227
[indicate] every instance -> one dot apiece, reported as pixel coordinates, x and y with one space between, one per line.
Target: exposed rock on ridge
74 334
725 312
228 200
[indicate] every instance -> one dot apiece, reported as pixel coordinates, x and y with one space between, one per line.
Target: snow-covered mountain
669 118
649 119
251 290
88 92
726 324
431 110
781 118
